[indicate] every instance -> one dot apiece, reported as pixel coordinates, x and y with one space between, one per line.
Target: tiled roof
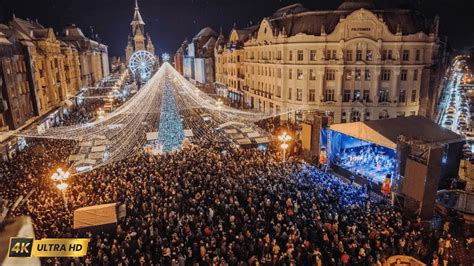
312 22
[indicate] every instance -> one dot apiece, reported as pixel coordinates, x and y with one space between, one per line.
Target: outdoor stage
370 149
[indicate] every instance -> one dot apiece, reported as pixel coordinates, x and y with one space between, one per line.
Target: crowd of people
217 205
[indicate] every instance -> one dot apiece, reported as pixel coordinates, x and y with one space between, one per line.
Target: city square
328 135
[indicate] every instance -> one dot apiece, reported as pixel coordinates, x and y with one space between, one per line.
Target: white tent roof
244 141
188 133
151 136
98 149
95 215
387 131
262 140
253 134
361 131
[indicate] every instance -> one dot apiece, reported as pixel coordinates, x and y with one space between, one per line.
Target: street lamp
100 113
284 139
60 177
219 103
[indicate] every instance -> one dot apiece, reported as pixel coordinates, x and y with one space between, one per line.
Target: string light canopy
167 95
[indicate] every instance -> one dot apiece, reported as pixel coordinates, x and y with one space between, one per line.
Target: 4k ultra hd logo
20 247
24 247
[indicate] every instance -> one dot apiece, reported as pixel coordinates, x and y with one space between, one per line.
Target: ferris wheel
141 63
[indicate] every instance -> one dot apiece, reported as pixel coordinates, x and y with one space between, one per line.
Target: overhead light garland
167 101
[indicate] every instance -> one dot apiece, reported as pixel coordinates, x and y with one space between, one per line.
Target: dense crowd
213 204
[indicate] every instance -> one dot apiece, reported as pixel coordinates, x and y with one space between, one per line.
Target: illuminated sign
25 247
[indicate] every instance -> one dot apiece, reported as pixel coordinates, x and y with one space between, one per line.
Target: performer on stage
386 186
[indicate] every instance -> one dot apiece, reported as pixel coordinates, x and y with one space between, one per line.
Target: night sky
170 21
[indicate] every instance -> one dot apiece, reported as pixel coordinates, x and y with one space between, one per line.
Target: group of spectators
217 205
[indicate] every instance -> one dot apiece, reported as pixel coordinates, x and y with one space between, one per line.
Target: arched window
355 116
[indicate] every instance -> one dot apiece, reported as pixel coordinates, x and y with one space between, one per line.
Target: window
403 75
387 55
356 95
348 74
406 55
330 54
312 55
417 55
330 74
366 95
358 74
329 95
385 75
312 95
368 75
358 55
300 55
290 73
299 74
290 55
368 55
349 55
383 95
299 94
402 96
312 74
278 91
290 92
413 96
355 116
415 75
346 96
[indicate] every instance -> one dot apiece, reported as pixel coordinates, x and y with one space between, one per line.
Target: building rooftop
357 4
312 22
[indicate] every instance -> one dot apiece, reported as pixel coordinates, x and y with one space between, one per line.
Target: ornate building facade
43 70
357 62
198 57
179 56
137 41
15 96
93 56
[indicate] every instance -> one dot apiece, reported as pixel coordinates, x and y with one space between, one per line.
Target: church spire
138 25
137 17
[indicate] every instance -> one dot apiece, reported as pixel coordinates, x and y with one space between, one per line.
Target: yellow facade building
57 66
357 62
